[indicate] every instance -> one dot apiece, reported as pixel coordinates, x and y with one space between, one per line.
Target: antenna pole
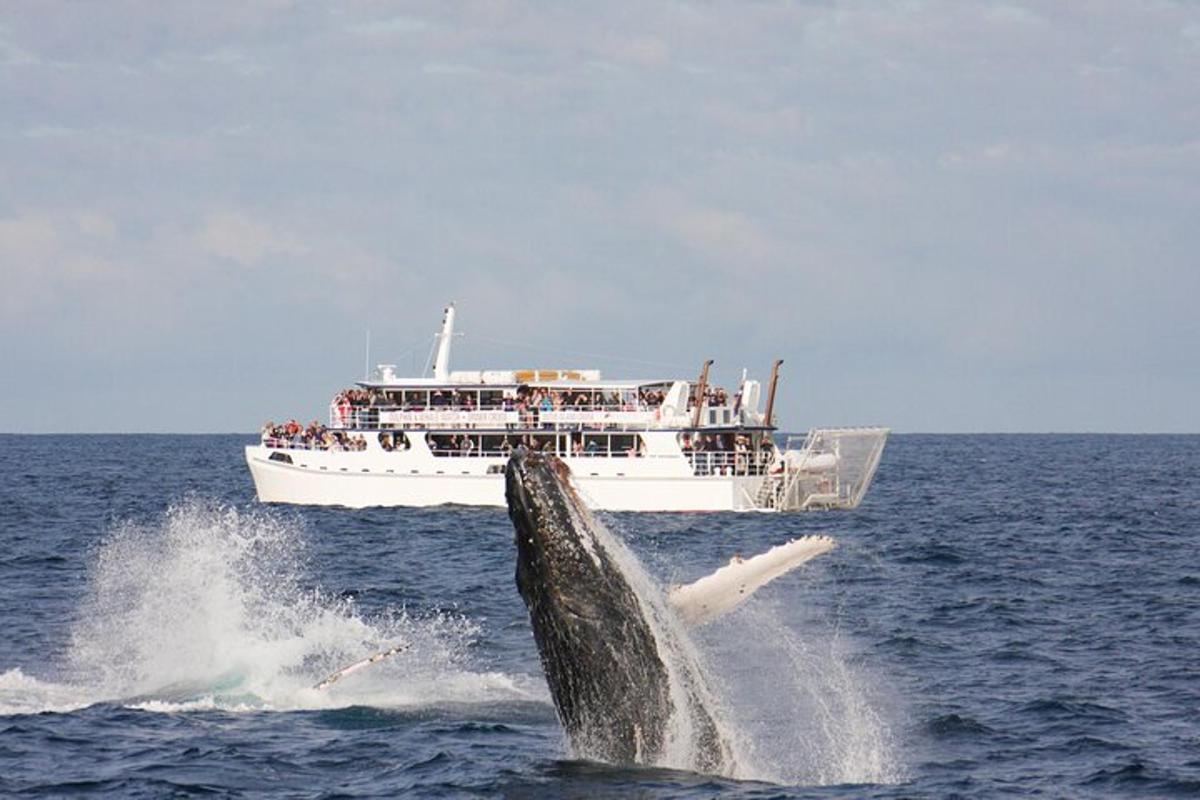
367 363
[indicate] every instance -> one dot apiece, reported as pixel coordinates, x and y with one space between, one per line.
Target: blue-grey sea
1004 616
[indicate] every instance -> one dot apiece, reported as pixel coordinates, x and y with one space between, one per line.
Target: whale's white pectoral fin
358 665
728 587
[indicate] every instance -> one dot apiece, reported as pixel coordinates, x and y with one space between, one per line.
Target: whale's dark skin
600 656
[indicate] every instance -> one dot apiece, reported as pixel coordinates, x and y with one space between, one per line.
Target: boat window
392 441
616 445
454 444
544 442
624 444
283 457
497 444
415 399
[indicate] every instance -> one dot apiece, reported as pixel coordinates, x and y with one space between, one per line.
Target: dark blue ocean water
1004 616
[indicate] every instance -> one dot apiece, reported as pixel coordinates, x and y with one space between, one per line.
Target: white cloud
52 263
452 69
727 238
246 241
12 54
27 239
640 51
96 224
391 26
1005 13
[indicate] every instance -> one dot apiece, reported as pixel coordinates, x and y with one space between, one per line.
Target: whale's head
559 561
597 649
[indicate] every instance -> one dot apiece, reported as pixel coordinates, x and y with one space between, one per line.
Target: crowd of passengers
719 443
525 398
315 436
726 453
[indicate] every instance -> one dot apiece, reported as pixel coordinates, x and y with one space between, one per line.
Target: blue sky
944 216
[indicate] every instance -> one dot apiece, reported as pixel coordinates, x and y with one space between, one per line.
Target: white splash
787 695
207 609
811 710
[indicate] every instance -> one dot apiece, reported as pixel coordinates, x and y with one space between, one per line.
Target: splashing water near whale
792 684
208 609
800 706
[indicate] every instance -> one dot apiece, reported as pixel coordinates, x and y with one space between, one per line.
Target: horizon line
778 432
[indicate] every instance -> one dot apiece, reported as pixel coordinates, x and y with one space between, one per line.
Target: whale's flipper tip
724 590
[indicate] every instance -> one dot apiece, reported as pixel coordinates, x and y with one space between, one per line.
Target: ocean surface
1004 616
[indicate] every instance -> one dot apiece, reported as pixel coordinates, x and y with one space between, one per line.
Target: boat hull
360 480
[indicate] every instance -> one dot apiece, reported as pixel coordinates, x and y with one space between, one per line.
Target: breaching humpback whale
626 684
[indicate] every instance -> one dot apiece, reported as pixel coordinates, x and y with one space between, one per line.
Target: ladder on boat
769 491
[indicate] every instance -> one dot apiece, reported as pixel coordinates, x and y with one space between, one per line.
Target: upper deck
527 401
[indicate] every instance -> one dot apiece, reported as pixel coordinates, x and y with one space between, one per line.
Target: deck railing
728 462
276 443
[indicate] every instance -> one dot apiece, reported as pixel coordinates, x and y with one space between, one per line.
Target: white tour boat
632 445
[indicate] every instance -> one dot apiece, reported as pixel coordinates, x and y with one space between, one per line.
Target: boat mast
441 365
771 394
701 386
